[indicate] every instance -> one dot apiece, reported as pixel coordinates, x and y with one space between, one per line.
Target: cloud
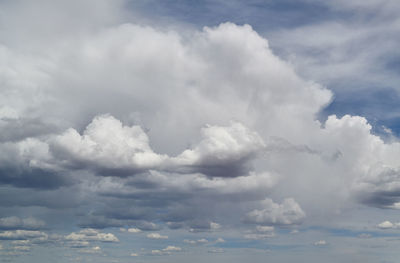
320 243
108 147
156 236
216 250
171 249
223 151
22 235
165 251
287 213
92 250
134 230
220 240
190 128
89 234
14 222
388 225
195 242
261 232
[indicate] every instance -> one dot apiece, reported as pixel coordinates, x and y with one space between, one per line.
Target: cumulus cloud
156 236
91 235
134 230
287 213
388 225
108 146
223 151
190 129
22 235
172 249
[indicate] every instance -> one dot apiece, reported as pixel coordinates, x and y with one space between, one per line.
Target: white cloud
91 235
108 144
156 236
134 230
222 146
320 243
388 225
171 249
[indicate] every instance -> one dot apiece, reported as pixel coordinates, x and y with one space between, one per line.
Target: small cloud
93 250
195 242
216 250
172 248
294 231
156 236
320 243
202 241
388 225
134 230
220 240
192 242
90 234
214 226
255 236
157 252
264 229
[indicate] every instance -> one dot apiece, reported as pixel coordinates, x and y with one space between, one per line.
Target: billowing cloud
107 146
223 151
128 126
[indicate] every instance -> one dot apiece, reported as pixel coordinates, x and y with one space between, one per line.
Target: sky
201 131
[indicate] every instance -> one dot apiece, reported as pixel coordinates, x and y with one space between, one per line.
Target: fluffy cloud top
107 144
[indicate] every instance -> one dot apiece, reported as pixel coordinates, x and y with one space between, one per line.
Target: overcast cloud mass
201 131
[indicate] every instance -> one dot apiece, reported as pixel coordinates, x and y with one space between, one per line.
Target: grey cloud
379 187
223 151
287 213
14 222
22 235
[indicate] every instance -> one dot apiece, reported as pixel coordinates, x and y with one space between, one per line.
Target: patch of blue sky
262 15
379 106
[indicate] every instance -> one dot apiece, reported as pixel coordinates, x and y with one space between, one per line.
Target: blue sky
209 131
